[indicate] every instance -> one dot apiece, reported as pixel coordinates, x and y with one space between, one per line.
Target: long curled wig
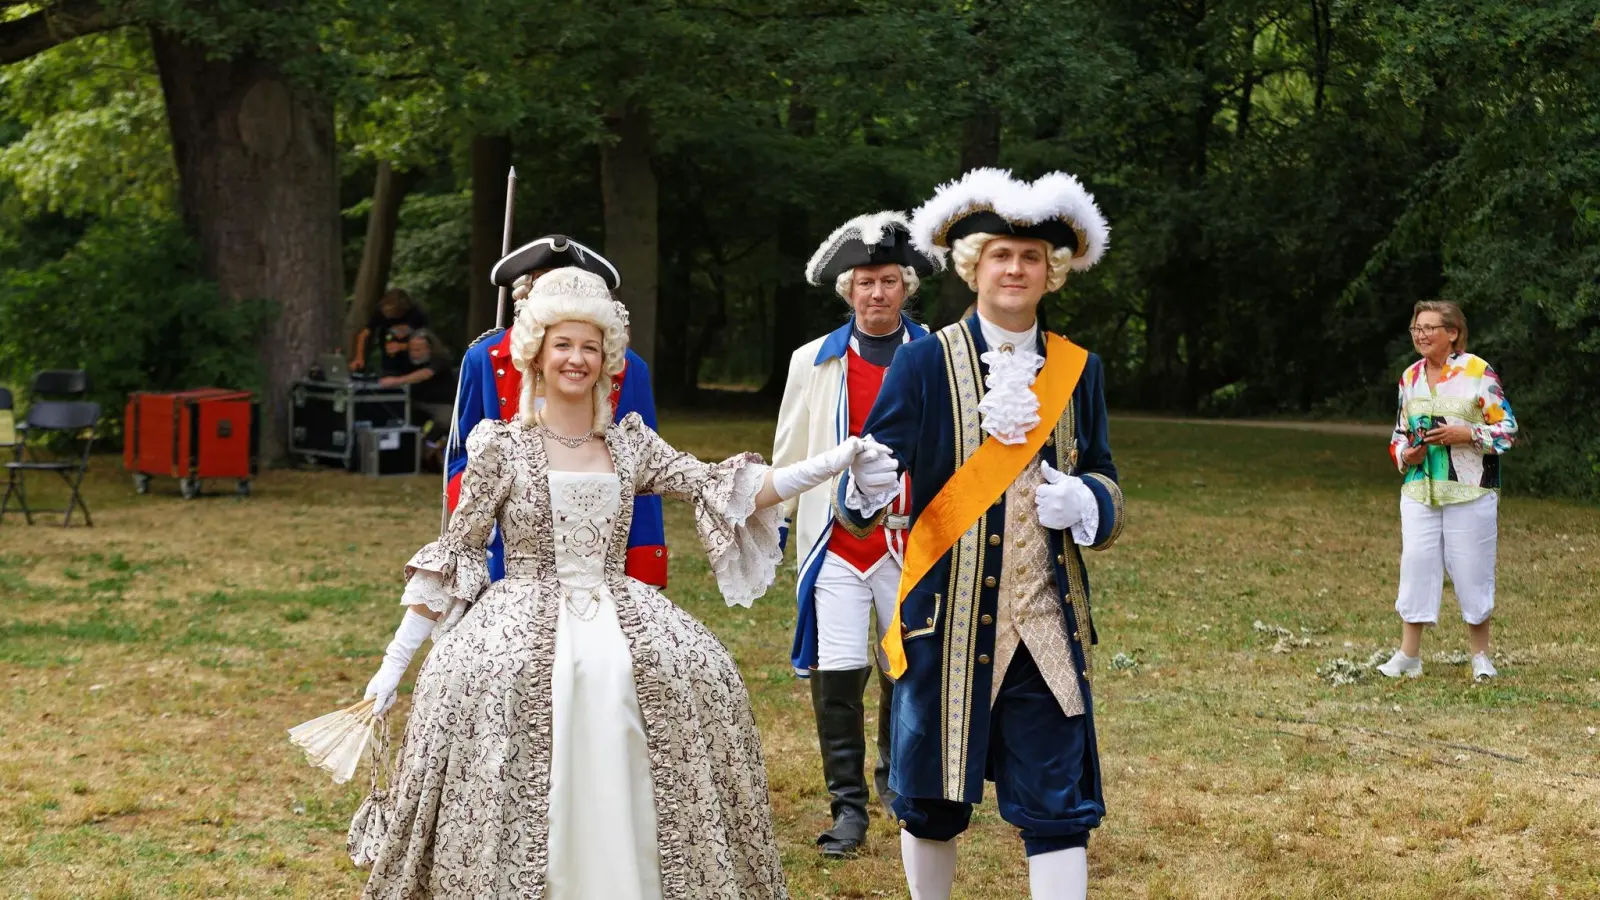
566 295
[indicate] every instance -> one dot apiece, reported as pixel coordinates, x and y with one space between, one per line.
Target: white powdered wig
966 250
869 229
842 283
1056 195
568 295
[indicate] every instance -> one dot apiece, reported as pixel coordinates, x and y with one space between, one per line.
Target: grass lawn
151 664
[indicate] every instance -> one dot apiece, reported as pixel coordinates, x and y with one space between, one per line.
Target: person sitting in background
425 367
396 317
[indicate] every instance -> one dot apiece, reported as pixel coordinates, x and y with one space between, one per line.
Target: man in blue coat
491 387
1002 429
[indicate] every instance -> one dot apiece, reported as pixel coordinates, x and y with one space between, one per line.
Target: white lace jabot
1010 410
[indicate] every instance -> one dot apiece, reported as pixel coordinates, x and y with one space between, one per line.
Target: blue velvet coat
941 702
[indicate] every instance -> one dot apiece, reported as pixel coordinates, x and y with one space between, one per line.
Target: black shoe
836 701
880 775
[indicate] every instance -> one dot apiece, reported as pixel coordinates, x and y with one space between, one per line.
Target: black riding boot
880 775
836 700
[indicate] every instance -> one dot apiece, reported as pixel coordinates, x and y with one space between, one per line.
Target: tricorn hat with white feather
875 239
1054 208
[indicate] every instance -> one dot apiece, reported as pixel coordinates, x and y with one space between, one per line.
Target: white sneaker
1401 664
1482 668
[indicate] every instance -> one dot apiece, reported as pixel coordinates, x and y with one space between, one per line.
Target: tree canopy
1284 180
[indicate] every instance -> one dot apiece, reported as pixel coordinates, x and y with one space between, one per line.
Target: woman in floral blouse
1452 426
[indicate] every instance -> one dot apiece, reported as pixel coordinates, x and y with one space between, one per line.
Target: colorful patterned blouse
1468 393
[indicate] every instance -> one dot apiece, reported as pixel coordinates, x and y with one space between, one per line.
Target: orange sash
982 480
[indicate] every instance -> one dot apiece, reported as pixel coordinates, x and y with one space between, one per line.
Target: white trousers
1458 538
845 602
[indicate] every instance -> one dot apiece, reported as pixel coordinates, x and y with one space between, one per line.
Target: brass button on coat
983 659
987 619
989 581
994 540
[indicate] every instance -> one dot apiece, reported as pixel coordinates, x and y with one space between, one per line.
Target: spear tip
513 174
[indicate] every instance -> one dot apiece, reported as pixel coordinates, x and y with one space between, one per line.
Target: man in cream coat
847 574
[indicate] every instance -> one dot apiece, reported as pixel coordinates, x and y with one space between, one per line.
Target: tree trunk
491 160
258 183
377 252
790 325
674 383
632 231
980 147
1322 35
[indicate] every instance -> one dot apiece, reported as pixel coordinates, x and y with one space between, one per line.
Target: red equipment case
191 435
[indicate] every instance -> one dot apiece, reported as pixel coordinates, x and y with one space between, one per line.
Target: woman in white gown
574 735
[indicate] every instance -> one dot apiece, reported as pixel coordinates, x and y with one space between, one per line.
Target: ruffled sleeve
447 575
740 540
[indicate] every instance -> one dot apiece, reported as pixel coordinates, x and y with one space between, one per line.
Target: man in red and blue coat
846 576
491 387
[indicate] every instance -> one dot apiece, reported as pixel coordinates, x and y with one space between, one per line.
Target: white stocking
930 866
1059 874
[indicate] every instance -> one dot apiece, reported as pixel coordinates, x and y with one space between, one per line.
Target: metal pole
499 323
505 246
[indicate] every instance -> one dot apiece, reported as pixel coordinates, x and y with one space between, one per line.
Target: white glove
874 478
792 481
875 470
414 629
1063 500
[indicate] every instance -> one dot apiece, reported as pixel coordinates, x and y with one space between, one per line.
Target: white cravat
1010 410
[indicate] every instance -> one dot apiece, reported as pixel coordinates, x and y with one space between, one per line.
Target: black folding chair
59 384
72 421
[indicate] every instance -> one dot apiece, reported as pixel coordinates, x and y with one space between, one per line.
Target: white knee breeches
845 603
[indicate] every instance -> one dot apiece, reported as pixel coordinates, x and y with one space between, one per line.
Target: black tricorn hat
553 251
876 239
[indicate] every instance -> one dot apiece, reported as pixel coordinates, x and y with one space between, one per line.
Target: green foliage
128 304
1284 180
430 258
1511 209
86 130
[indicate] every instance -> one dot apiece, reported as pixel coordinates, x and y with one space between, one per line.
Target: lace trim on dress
445 578
740 540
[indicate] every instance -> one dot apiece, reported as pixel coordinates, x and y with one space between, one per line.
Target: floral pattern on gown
471 792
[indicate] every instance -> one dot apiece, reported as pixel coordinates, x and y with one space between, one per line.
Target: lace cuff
741 541
1089 525
446 578
866 504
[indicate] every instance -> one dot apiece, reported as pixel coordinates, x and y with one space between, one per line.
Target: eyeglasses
1427 330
